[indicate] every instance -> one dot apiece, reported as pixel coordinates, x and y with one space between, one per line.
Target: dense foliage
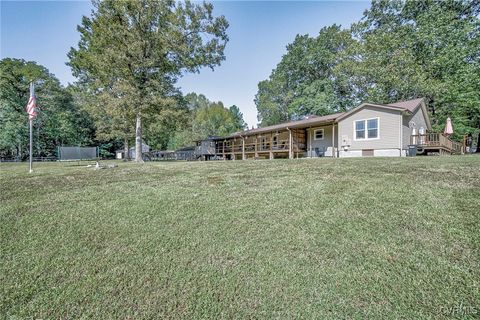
72 116
132 52
305 81
397 51
206 118
60 121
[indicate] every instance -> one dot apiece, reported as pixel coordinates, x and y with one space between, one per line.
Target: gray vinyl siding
389 128
326 143
418 118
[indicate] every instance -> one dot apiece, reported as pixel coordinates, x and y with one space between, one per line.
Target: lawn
311 238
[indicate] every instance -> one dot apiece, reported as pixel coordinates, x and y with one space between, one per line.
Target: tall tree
305 81
203 118
399 50
421 48
113 118
146 45
238 123
214 120
59 121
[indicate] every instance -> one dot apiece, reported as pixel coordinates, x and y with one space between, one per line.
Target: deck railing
436 140
280 145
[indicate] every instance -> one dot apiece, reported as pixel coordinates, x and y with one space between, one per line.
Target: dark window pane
372 124
372 133
360 134
360 125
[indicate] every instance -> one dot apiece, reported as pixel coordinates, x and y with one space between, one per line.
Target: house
367 130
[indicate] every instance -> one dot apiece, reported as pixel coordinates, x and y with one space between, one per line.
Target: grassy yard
324 238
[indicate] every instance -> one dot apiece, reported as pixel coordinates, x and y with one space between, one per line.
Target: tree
162 126
196 101
202 118
399 50
59 121
237 117
305 81
145 46
214 120
421 49
112 118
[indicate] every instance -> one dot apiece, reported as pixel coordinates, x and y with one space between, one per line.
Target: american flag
32 103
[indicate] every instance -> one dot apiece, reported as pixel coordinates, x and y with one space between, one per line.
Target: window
318 134
366 129
264 143
372 128
360 129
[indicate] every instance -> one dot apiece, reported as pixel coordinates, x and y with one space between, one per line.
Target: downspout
401 133
333 140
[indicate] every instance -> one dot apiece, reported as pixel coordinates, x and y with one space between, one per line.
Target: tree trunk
138 139
126 152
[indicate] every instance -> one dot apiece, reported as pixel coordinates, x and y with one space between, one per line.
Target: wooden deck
437 142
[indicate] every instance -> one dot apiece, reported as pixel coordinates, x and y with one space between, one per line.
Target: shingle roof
409 105
316 120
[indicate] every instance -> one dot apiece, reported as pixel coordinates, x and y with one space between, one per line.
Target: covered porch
322 140
286 143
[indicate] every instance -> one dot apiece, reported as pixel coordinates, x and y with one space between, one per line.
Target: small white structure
119 154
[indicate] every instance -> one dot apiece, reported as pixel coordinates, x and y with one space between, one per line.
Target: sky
44 31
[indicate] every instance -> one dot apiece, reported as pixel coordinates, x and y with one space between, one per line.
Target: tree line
398 50
68 116
127 62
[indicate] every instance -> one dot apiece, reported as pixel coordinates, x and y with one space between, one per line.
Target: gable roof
409 105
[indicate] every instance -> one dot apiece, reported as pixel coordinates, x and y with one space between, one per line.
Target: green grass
323 238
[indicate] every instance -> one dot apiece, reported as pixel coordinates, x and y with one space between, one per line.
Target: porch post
223 149
290 149
271 145
310 141
333 140
256 148
233 149
243 148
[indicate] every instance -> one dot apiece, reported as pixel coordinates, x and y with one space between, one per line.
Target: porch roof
305 123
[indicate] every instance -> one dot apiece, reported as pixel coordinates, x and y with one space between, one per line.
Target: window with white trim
318 134
366 129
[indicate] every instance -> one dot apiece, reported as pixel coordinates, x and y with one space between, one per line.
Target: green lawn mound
323 238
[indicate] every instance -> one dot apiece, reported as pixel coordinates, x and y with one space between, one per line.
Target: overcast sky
44 31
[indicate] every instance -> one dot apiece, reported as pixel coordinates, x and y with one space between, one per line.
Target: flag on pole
32 113
32 103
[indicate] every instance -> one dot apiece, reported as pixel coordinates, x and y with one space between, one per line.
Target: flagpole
31 144
30 120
